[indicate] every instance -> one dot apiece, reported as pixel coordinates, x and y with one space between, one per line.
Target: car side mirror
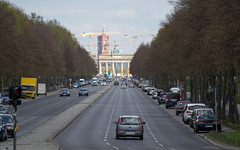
114 122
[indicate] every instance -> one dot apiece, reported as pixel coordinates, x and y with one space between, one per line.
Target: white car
123 86
103 83
188 110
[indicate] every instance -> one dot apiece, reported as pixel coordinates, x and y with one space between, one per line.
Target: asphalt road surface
94 129
33 113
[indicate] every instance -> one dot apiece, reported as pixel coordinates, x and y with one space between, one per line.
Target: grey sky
126 16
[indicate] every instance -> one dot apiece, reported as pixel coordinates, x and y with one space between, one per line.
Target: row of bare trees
32 47
199 44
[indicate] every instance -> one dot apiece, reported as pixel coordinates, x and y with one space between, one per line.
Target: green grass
232 138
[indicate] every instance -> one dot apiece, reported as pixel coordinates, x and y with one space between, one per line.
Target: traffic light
15 93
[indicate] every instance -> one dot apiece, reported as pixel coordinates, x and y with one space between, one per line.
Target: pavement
42 137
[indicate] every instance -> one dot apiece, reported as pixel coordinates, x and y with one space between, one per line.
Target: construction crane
92 34
134 36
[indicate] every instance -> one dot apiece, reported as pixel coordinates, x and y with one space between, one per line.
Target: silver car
129 126
83 91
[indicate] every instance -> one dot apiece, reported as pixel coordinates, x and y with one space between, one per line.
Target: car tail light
120 120
200 122
215 121
189 111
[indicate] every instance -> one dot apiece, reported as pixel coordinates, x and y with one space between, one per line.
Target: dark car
179 106
162 98
206 122
3 109
172 99
116 83
3 130
8 121
129 126
64 92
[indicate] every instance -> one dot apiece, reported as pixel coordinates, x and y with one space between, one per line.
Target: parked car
172 99
129 126
103 83
162 98
188 110
3 109
206 122
131 85
116 83
64 92
197 112
3 130
150 90
83 91
179 106
8 121
156 93
94 83
144 87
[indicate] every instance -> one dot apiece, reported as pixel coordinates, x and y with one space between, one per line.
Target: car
207 122
131 85
129 126
197 112
83 91
3 130
172 99
103 83
3 109
179 106
162 98
156 93
8 121
188 110
94 83
123 86
75 85
64 92
144 88
116 83
150 90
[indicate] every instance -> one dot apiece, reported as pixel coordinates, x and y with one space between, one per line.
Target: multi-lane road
94 129
33 113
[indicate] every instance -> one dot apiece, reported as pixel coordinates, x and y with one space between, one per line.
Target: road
94 129
33 113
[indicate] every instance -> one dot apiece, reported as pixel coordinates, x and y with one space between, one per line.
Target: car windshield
130 121
7 119
207 117
28 88
195 107
64 90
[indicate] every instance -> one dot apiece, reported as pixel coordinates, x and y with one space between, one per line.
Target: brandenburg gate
114 58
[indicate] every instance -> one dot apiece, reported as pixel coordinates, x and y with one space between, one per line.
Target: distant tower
103 44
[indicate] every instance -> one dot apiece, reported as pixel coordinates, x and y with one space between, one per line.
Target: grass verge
230 138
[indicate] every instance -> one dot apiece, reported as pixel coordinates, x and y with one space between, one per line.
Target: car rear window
206 117
195 107
130 121
174 96
205 112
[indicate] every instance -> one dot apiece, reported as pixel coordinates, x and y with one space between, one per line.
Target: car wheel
60 95
166 107
12 135
117 136
79 94
176 113
87 94
196 129
141 137
2 137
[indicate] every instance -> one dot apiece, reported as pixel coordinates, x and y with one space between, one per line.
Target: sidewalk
41 137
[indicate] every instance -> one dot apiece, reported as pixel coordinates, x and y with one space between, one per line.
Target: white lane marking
115 147
107 143
149 129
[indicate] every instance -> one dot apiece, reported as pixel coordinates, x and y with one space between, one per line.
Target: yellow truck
29 87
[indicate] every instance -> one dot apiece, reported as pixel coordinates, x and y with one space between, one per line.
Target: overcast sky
131 17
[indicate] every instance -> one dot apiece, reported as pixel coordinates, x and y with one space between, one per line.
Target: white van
175 90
